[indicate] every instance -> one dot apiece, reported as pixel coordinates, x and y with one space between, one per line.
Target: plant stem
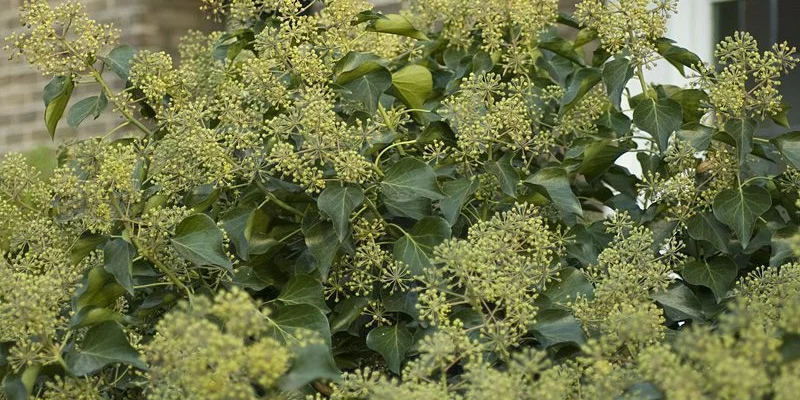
110 94
640 75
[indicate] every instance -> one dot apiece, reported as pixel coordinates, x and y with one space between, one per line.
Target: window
769 21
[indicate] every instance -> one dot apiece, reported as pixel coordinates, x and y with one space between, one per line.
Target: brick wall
154 24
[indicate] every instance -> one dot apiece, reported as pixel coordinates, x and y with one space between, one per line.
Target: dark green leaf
505 173
739 209
581 83
119 60
704 226
557 326
413 84
321 240
235 222
367 89
56 96
561 47
409 179
199 240
782 246
571 283
392 342
659 118
304 289
118 261
789 146
338 202
347 311
90 106
456 194
616 75
680 303
103 344
699 136
691 101
782 117
598 157
555 182
718 274
414 248
679 57
741 130
292 325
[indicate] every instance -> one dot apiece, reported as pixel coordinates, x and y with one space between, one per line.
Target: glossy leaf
581 83
616 75
507 176
415 248
739 209
659 118
678 56
395 24
392 342
119 60
322 240
789 146
704 226
554 327
338 202
561 47
367 89
56 96
90 106
413 84
118 261
555 182
199 240
717 274
102 345
456 194
303 289
409 179
741 130
355 64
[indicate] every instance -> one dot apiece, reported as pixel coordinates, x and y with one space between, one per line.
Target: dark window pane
757 21
789 30
726 19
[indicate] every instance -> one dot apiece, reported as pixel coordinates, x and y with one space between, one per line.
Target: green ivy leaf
598 157
119 60
235 222
571 283
581 83
659 118
561 47
355 64
321 240
698 136
347 311
90 106
507 176
338 202
704 226
555 182
616 75
291 325
199 240
367 89
118 257
409 179
414 248
741 130
304 289
789 146
678 56
104 344
392 342
413 84
739 209
56 96
395 24
680 303
782 117
782 246
717 274
456 194
554 327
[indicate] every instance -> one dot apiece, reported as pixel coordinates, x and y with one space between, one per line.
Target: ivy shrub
349 205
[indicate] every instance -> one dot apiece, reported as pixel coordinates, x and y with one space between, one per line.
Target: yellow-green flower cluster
214 349
745 81
627 25
154 74
60 40
499 270
502 23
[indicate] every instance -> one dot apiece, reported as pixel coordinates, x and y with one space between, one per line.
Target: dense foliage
342 204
